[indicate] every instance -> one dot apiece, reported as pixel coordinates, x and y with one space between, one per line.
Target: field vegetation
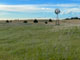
25 41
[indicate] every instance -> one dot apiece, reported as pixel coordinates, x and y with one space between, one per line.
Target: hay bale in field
7 21
50 20
46 22
35 21
10 21
25 21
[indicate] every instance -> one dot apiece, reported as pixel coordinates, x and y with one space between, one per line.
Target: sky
23 9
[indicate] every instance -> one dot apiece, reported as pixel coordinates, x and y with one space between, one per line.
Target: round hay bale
50 20
35 21
46 22
7 21
25 21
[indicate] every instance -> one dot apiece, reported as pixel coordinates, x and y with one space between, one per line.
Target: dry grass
19 41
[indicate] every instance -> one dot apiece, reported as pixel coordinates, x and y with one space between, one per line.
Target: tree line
72 18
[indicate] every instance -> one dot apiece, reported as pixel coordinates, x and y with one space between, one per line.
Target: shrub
35 21
10 21
50 20
25 21
7 21
67 19
46 22
74 18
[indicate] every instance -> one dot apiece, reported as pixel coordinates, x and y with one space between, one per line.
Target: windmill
57 11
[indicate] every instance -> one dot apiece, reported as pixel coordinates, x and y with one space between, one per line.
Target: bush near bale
7 21
35 21
25 21
46 22
10 21
74 18
67 19
50 20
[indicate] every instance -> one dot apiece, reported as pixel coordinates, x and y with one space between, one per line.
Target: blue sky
17 9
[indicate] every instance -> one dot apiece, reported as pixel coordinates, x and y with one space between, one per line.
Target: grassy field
19 41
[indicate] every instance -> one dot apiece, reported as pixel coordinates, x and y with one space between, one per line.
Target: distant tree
46 22
79 18
7 21
74 18
10 21
35 21
50 20
25 21
67 19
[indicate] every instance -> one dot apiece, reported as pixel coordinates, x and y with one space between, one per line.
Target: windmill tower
57 11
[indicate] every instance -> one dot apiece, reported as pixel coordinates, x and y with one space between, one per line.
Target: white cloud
3 13
40 7
24 8
67 5
70 10
17 7
65 8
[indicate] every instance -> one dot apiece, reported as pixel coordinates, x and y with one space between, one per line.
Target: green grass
39 42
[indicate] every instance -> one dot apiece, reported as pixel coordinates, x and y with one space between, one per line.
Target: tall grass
39 42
